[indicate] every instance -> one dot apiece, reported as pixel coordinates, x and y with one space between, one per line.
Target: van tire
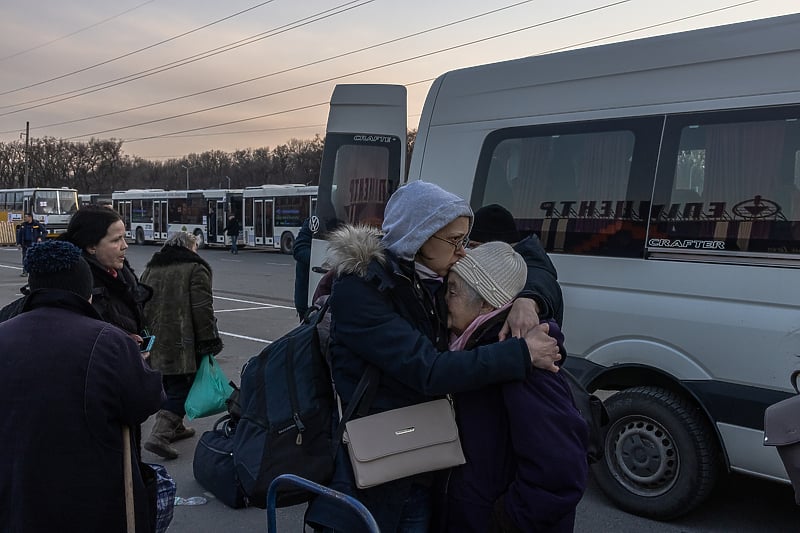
139 236
661 458
287 243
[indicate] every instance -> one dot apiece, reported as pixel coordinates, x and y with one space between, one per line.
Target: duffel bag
213 464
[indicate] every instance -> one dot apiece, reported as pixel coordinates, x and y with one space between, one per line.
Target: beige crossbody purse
402 442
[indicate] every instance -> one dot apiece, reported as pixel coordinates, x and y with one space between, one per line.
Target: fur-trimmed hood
170 255
352 248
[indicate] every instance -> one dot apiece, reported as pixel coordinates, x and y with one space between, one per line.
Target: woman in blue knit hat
388 312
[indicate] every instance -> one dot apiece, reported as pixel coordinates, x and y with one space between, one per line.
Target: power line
362 71
75 93
574 45
90 26
62 76
284 71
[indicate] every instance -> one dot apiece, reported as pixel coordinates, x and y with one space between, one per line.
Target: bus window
142 211
291 211
45 203
729 183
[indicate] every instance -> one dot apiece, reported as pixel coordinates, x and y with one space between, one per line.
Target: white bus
273 214
51 206
663 177
152 215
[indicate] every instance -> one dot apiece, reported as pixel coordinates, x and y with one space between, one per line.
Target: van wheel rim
644 458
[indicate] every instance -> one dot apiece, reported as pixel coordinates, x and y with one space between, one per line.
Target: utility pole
27 156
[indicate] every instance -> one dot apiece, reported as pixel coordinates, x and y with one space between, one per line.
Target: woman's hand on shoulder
543 348
522 318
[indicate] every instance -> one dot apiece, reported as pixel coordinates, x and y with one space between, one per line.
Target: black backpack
287 404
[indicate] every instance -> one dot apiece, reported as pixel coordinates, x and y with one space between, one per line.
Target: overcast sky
173 77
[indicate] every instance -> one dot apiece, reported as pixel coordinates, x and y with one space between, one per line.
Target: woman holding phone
117 294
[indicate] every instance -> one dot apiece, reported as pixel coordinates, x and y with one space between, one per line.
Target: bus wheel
201 242
139 236
661 458
287 243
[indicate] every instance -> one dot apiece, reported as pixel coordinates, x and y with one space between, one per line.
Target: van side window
729 183
584 188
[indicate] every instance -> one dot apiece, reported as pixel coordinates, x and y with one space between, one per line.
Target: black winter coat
119 300
381 315
542 281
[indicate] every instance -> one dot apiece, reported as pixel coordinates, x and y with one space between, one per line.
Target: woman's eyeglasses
461 243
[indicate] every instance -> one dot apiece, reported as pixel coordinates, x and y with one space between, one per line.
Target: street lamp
229 181
187 176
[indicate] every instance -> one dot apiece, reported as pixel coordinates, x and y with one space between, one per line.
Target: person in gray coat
181 317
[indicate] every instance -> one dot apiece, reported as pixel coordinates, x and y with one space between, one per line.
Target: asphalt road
253 303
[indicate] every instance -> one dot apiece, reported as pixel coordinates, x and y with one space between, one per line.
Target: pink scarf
458 342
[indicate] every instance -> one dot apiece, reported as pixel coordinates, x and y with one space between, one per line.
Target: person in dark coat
232 230
524 442
181 316
384 313
30 232
495 223
117 294
302 256
67 394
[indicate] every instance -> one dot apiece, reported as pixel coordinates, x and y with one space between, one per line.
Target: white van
663 177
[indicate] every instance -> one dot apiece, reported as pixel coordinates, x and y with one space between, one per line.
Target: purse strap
362 399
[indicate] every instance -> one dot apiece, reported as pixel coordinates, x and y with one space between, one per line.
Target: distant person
69 382
495 223
181 316
232 230
302 256
524 442
30 232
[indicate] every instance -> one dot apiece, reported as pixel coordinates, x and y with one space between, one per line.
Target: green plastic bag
209 391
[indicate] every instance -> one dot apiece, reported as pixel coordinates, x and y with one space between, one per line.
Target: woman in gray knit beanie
388 314
525 443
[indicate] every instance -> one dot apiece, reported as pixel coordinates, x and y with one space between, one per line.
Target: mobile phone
147 343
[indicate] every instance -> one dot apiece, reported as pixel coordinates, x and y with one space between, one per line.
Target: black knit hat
58 265
89 225
494 223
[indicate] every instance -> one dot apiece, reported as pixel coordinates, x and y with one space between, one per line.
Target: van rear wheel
660 459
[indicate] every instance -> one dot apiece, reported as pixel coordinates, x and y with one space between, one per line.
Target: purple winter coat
525 445
68 382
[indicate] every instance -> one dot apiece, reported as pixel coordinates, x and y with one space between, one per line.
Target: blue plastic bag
209 391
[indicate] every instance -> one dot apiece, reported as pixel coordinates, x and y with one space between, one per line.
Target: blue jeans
234 248
415 516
